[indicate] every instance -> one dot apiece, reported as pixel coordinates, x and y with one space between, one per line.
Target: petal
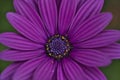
6 78
81 2
48 10
15 55
46 70
60 72
9 71
91 27
58 2
92 58
112 50
26 28
25 9
32 3
72 70
66 14
16 41
93 73
25 71
105 38
88 9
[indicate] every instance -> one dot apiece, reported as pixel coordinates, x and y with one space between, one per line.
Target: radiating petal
112 50
9 78
26 28
46 70
91 27
9 71
16 41
60 72
32 3
25 71
66 14
58 2
105 38
81 2
72 70
88 9
48 10
93 73
92 58
15 55
25 9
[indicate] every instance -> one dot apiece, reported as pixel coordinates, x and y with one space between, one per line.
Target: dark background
112 72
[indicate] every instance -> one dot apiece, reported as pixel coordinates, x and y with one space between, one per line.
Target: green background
112 72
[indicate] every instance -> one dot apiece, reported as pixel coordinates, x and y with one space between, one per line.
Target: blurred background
112 72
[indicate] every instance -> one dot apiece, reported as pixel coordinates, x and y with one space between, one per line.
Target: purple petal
92 58
15 55
32 3
81 2
48 10
72 70
93 73
25 9
46 70
58 2
91 27
25 71
88 9
112 50
9 71
60 72
26 28
16 41
105 38
66 14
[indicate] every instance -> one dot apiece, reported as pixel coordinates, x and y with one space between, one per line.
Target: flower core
58 46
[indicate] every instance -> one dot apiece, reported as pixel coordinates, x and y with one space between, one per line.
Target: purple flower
59 40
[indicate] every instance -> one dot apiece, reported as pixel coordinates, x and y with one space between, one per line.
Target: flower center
58 46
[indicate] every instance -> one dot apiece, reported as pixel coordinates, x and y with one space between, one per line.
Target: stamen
58 47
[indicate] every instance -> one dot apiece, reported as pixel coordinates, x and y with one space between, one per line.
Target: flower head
59 40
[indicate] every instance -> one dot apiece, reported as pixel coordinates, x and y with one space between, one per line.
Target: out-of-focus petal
26 28
112 50
93 73
25 9
9 71
91 27
66 14
72 70
92 58
32 3
46 70
16 41
60 72
26 70
88 9
105 38
15 55
48 11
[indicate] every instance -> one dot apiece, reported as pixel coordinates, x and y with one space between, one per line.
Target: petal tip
109 15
